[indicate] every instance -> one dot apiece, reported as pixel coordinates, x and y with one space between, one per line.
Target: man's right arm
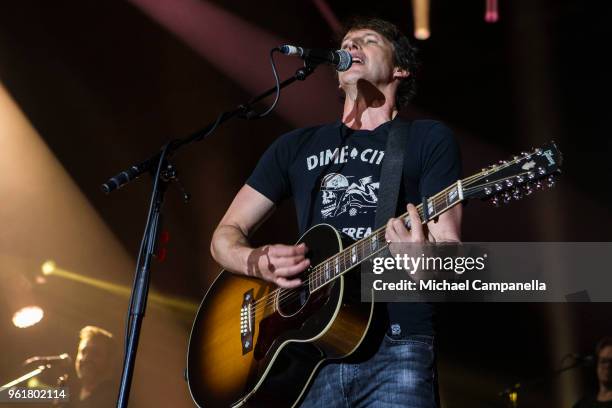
230 246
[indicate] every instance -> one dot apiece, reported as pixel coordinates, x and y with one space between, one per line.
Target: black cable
252 114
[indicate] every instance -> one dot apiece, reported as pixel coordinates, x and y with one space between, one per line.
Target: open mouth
357 60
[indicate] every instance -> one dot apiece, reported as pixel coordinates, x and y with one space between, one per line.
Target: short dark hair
602 344
403 51
104 336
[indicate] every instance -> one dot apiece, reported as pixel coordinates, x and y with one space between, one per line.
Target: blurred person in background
603 397
96 385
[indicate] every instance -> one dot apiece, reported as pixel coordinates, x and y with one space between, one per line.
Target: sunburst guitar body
255 345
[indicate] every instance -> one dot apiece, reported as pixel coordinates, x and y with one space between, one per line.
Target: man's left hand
396 230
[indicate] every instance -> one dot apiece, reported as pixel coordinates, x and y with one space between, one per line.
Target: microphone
340 59
581 359
64 358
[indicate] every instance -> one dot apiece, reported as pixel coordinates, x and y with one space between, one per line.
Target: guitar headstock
515 178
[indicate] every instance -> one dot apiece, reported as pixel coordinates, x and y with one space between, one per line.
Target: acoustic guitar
256 345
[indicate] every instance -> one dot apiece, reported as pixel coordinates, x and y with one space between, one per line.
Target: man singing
332 172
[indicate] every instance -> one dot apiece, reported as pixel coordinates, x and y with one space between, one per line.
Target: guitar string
437 200
504 179
341 258
317 272
288 294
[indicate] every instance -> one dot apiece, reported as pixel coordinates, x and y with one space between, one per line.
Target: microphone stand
164 173
24 377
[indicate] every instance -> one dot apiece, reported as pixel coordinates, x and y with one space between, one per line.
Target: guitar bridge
247 322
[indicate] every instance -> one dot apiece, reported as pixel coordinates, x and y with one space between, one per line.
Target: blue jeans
401 373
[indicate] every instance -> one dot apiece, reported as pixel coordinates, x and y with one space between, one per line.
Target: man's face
604 366
372 58
92 359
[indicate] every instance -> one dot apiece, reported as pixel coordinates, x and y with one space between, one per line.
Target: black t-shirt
332 173
591 402
103 396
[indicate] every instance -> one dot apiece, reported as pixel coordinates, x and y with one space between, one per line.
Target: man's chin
350 79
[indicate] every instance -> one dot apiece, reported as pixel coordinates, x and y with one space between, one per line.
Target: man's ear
400 73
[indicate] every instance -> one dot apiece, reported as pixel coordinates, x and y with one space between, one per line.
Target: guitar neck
355 254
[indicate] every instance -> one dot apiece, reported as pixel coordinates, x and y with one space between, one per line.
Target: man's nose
352 45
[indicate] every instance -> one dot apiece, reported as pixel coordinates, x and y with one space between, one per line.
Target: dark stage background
104 84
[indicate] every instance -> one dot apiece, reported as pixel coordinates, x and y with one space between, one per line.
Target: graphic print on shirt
340 196
348 194
371 156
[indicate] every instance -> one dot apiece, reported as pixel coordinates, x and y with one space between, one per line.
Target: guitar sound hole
291 301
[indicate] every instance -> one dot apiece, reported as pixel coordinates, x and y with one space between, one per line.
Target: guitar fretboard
365 248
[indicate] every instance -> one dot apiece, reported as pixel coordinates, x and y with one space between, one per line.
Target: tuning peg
538 185
506 197
527 189
531 175
495 201
498 187
541 171
509 183
550 181
502 162
524 154
517 194
520 179
488 190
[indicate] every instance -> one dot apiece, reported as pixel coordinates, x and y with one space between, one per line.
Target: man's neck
604 394
365 109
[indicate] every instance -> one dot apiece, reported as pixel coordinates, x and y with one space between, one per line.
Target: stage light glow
491 13
329 16
27 316
219 36
48 267
121 290
34 382
44 198
422 33
513 397
420 12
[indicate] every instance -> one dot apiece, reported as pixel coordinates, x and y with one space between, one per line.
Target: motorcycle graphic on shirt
340 196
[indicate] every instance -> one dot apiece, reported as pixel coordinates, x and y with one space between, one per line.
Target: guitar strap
391 171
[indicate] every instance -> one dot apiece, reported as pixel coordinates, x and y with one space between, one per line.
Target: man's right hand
279 264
